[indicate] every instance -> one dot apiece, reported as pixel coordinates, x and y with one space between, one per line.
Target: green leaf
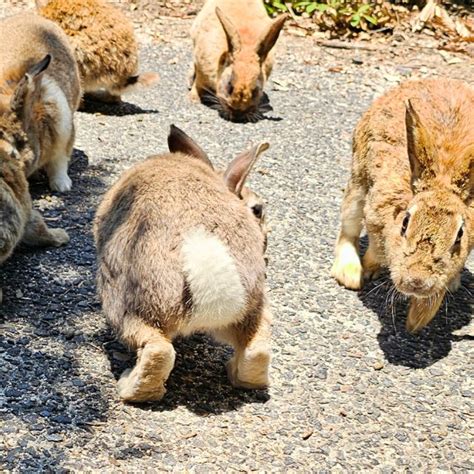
371 19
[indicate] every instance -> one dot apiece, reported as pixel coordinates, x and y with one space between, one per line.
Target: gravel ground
351 390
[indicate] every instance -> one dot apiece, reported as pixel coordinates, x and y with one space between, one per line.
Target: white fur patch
217 292
57 161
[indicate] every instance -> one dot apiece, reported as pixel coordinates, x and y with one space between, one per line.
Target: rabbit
181 249
104 44
412 182
233 57
19 222
39 93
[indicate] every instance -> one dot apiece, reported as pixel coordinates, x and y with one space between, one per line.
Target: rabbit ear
22 97
419 143
178 141
240 167
232 35
41 3
269 40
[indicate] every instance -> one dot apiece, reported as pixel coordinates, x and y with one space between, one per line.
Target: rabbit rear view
104 44
40 91
412 182
233 57
181 249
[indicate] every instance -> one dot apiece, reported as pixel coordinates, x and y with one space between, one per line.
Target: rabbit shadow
198 381
433 342
119 109
210 100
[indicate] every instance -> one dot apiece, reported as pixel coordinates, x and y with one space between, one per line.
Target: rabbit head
234 176
242 74
433 236
17 99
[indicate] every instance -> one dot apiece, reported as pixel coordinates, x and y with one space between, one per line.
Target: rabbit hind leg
155 361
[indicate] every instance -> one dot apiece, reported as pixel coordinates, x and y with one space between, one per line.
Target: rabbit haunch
40 90
104 46
181 249
412 183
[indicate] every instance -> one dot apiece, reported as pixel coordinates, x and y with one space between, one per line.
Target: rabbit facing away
104 44
233 57
412 182
39 91
19 222
181 249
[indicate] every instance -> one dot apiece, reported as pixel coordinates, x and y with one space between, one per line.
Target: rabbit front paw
347 268
60 182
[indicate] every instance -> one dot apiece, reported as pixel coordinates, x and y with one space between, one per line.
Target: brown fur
232 55
413 153
139 230
104 44
40 103
19 222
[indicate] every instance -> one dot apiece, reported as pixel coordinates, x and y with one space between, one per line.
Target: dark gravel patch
351 390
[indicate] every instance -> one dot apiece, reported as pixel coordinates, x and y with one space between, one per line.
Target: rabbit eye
230 88
459 236
405 223
258 211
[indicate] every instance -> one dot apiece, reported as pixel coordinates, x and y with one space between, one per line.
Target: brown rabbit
412 182
233 58
39 92
19 222
104 44
180 250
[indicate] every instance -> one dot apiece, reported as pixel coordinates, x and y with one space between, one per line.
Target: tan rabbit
179 251
233 58
104 44
412 183
19 222
39 91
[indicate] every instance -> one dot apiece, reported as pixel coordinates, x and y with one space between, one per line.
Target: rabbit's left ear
22 99
421 149
268 41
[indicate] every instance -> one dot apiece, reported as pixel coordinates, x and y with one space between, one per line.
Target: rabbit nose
418 285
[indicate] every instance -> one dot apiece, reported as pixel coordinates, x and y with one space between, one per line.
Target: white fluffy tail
217 293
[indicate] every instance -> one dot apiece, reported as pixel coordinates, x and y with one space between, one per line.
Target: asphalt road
351 389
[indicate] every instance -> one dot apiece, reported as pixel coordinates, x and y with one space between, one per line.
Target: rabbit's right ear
179 142
231 33
420 145
22 97
240 167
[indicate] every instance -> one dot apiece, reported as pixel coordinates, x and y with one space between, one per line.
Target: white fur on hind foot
250 370
60 182
347 267
218 295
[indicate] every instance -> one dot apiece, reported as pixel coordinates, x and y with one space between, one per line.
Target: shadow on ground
431 344
47 292
120 109
198 381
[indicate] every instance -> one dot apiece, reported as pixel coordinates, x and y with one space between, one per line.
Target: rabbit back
176 249
26 39
105 47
